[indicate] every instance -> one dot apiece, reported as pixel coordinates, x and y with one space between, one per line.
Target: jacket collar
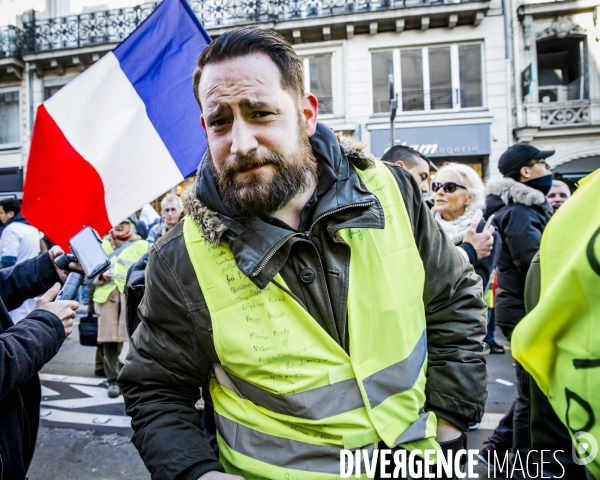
18 218
506 191
253 241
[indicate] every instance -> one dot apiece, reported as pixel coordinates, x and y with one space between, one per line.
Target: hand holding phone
87 250
488 223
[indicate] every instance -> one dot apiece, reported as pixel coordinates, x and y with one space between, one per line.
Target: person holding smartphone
24 349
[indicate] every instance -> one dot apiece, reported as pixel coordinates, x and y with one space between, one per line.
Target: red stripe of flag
57 175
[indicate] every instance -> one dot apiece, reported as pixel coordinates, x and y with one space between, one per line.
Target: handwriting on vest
279 348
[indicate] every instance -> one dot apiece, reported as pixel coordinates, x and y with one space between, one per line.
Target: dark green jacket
172 351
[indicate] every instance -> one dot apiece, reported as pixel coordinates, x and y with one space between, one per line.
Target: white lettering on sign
435 149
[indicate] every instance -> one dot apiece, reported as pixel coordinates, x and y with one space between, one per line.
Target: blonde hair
470 179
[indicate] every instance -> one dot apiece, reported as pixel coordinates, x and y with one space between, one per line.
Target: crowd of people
311 293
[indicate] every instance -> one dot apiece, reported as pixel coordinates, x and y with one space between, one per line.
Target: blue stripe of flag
159 58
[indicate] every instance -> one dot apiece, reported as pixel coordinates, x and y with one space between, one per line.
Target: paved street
86 435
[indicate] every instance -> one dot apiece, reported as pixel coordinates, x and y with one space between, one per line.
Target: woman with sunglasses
458 199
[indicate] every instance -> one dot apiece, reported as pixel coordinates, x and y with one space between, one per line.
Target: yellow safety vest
120 264
287 397
558 343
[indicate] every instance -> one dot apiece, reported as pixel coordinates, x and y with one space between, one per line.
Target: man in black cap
521 211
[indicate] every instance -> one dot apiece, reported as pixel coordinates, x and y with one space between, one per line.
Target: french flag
121 133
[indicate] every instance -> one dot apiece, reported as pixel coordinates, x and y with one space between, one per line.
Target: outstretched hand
65 310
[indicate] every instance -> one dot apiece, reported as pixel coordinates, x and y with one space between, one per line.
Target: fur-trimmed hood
505 194
324 145
511 191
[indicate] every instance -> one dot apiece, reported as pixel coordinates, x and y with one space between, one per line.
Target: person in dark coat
521 211
24 349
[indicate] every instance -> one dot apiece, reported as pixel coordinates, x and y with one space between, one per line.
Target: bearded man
309 282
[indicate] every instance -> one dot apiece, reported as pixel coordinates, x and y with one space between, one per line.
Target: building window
382 71
429 78
49 91
411 68
440 79
318 78
469 61
9 118
561 76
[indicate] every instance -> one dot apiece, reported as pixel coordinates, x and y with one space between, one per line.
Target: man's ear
203 122
10 214
525 173
400 163
310 107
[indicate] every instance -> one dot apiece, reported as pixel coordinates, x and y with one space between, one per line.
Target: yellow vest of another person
558 343
120 264
287 396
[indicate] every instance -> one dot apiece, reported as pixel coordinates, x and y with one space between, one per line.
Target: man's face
537 168
257 134
170 214
420 173
558 194
5 217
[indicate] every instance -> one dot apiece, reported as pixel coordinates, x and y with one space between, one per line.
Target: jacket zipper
273 252
306 234
336 210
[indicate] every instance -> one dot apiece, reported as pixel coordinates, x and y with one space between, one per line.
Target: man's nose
243 140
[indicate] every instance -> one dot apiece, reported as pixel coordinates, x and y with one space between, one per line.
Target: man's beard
257 195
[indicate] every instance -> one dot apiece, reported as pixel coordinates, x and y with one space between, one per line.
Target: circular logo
585 448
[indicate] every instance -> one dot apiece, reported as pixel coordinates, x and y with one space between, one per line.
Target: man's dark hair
409 156
515 174
10 205
244 41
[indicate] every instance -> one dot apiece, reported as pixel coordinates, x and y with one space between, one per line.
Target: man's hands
55 252
65 310
446 431
219 476
482 242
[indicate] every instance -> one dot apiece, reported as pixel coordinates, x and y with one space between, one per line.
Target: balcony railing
568 113
562 114
11 41
88 29
113 26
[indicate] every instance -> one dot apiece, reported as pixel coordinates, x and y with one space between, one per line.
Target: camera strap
118 250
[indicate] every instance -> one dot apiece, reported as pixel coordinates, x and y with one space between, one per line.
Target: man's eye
263 114
219 123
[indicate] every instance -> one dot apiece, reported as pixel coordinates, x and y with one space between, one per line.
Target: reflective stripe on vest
558 342
120 264
295 383
280 451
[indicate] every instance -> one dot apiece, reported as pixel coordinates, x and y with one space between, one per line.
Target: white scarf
456 229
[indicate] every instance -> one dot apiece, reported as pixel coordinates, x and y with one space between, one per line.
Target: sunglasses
449 187
539 162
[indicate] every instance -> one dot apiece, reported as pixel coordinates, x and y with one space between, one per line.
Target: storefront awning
438 141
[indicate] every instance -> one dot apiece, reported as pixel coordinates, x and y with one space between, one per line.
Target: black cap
518 156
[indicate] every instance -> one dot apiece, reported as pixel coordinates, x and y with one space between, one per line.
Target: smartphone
488 223
86 246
